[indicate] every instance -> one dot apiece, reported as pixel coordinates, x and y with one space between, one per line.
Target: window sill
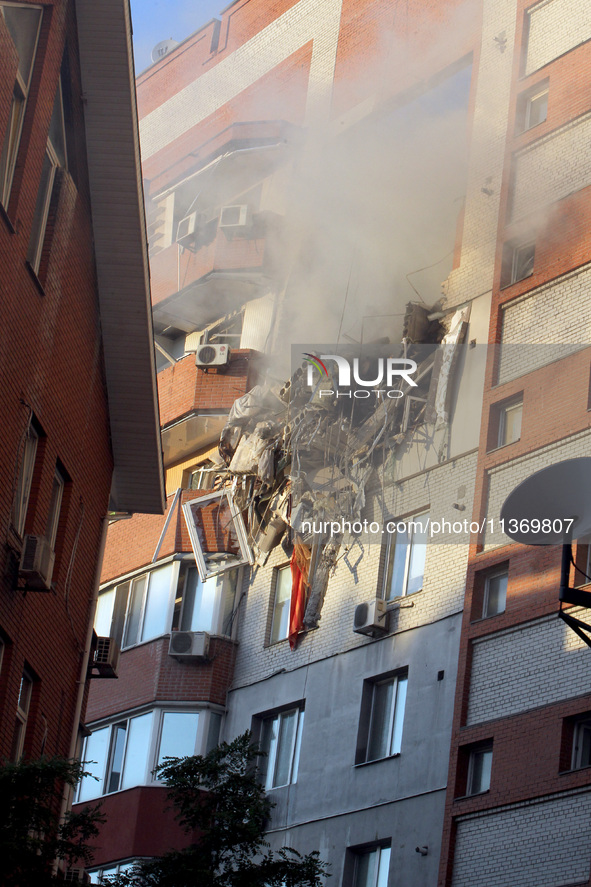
400 601
485 618
35 279
474 795
376 760
502 447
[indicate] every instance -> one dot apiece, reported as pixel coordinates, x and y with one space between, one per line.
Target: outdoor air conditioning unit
235 218
189 645
106 658
371 618
36 565
212 355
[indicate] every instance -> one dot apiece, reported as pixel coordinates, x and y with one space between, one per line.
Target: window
19 31
25 478
581 750
518 262
371 867
22 716
209 606
479 770
510 423
495 594
532 107
57 492
217 533
201 478
281 738
536 109
405 557
281 605
123 754
139 609
97 876
55 158
382 716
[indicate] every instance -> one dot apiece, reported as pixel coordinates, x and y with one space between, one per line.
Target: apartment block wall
518 677
50 336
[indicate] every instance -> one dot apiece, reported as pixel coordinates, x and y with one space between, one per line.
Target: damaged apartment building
312 173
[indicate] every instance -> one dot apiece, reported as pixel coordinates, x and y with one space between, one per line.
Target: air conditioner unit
36 565
106 658
188 645
233 218
212 355
371 618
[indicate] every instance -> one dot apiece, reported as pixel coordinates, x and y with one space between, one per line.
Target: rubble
298 454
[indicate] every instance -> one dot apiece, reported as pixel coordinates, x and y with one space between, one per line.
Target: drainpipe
68 794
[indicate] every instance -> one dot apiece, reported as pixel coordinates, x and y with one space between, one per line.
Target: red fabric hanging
300 568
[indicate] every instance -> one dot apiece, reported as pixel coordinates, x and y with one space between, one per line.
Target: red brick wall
185 387
139 822
51 364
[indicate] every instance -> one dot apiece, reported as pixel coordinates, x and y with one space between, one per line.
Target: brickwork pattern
527 666
51 365
555 27
526 844
507 476
303 22
534 318
551 168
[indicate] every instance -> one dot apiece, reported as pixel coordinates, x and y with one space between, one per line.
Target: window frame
268 769
577 746
55 506
511 257
22 716
14 130
530 99
380 878
147 576
201 744
206 569
22 494
217 620
390 555
285 604
481 749
493 574
504 409
394 731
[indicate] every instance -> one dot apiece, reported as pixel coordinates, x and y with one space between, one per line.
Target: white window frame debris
206 567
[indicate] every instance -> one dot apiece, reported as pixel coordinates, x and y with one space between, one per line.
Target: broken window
217 534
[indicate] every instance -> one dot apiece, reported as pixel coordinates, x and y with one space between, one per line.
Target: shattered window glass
217 533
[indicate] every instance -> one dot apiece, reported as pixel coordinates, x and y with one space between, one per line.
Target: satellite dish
540 509
163 48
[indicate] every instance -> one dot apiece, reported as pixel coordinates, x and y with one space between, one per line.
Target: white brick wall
474 276
545 843
552 167
504 479
538 663
555 27
307 20
557 317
